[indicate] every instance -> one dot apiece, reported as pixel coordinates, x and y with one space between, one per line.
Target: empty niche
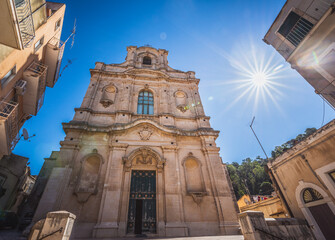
88 180
193 174
194 179
108 95
181 101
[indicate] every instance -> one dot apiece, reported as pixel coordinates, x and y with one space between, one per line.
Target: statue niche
194 180
108 95
88 178
181 101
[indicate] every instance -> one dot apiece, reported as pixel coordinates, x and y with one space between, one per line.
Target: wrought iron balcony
35 75
53 59
16 23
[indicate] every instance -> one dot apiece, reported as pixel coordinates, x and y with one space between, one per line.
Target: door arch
318 209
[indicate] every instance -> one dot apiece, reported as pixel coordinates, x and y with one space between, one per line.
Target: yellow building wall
271 207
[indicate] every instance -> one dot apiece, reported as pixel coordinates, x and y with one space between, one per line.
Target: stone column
161 211
175 223
107 226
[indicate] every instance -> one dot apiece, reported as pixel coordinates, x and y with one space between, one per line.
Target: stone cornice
129 112
118 127
322 134
128 74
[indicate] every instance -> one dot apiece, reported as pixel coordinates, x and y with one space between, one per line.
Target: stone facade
141 118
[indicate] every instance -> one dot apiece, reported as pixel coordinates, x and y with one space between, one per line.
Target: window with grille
295 28
39 43
147 60
145 103
332 175
9 76
311 195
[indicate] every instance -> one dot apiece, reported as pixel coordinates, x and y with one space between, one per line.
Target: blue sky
216 39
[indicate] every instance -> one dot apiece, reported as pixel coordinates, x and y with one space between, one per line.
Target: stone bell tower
140 157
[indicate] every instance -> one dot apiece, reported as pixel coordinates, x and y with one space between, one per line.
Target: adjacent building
304 34
305 175
140 157
30 57
16 182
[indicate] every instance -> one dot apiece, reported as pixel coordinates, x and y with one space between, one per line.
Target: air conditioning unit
20 87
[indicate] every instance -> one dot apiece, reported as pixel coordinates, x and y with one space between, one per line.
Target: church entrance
142 202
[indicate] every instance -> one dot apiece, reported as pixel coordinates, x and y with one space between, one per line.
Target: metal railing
25 20
9 115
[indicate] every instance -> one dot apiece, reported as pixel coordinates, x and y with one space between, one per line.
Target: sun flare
256 75
259 79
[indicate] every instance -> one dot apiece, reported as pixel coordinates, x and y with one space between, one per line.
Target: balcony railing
53 59
40 70
25 20
9 118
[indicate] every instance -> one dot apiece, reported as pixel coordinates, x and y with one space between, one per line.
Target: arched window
311 195
145 103
147 60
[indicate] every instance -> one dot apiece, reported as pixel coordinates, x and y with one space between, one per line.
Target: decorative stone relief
143 156
197 197
145 133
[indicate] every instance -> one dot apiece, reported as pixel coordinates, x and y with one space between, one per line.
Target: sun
259 79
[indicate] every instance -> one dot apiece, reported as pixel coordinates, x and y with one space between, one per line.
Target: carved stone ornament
145 133
182 108
144 156
197 197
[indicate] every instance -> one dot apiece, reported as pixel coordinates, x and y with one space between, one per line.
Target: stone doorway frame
130 164
304 207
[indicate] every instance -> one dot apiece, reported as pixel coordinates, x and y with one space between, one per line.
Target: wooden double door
142 202
325 219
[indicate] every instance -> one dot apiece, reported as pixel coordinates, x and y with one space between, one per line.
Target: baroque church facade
140 157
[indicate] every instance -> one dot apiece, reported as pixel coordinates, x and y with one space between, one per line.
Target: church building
140 157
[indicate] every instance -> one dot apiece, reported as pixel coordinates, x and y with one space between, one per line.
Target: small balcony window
9 76
147 60
295 28
57 24
39 43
